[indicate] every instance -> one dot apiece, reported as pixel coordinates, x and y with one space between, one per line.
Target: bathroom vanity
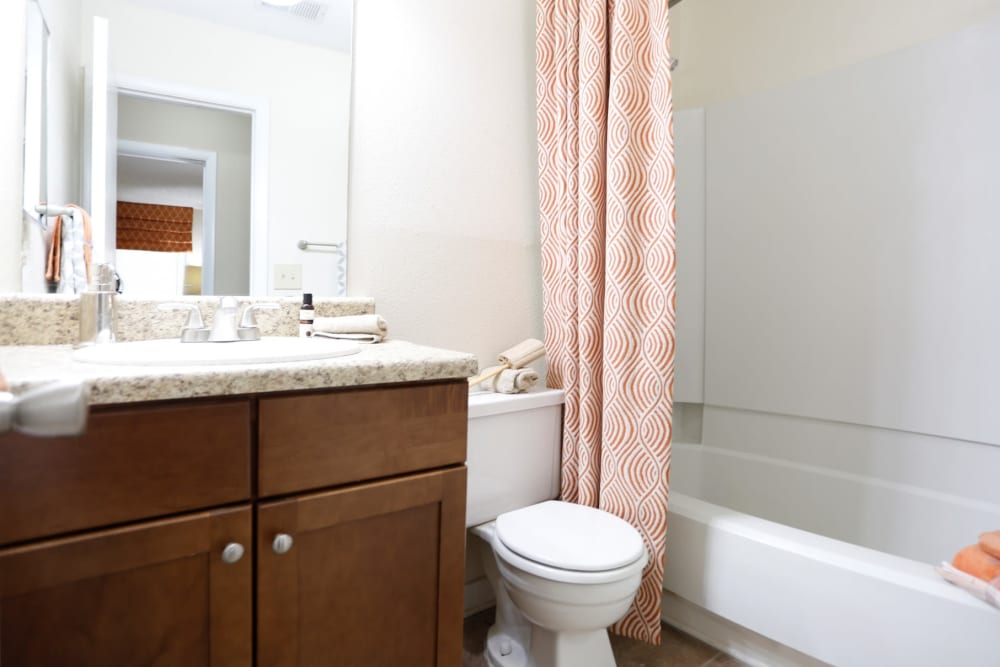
316 520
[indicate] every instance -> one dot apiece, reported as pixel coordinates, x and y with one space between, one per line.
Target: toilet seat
569 543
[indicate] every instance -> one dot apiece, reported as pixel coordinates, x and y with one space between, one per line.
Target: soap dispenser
97 306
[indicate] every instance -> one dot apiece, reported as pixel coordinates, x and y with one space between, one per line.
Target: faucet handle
194 330
248 329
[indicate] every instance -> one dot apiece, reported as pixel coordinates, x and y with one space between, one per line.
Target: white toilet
561 573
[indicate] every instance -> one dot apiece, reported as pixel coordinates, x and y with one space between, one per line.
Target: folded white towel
511 380
360 328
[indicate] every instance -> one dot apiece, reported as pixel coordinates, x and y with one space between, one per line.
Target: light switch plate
287 276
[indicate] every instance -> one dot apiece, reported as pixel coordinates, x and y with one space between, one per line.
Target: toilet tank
514 451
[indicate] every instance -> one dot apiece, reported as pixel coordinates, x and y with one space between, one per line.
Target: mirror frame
35 152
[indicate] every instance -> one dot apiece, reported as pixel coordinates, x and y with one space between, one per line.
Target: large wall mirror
208 140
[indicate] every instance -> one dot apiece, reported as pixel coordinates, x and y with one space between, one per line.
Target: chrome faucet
194 330
248 329
224 327
224 321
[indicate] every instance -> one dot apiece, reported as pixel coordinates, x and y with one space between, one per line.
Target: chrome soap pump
97 306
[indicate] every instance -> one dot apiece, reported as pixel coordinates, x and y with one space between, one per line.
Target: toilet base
571 649
550 649
502 650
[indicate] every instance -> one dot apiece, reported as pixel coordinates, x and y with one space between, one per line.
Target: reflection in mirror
281 75
192 157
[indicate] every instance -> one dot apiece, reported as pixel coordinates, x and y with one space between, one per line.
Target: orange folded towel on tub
990 543
976 568
975 561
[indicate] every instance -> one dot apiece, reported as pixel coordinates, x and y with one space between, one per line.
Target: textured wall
729 48
443 191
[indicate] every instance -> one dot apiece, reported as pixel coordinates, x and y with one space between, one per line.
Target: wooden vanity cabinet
156 593
369 574
134 462
348 525
371 577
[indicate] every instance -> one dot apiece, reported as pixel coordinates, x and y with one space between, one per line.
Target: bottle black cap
307 299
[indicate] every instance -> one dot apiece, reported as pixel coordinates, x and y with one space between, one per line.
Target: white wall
225 133
443 192
12 18
727 49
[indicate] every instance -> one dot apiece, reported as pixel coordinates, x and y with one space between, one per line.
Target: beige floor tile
474 638
676 650
723 660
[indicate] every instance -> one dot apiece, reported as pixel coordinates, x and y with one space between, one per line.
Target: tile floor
677 649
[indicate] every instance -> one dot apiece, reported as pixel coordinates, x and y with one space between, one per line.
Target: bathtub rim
863 560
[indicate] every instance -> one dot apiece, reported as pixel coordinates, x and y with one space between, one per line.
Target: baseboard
478 596
754 649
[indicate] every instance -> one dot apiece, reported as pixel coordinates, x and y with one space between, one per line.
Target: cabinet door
157 593
372 576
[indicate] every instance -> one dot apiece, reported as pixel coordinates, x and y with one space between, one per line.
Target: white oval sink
172 352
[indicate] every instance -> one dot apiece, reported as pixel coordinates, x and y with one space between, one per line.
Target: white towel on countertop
360 328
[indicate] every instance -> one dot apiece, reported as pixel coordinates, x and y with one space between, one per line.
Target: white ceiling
159 181
332 32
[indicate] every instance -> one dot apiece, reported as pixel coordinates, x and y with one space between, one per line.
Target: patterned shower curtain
606 187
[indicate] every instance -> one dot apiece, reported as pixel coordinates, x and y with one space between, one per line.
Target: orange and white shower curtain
606 185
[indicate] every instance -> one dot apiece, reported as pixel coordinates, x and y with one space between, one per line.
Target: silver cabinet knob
282 543
232 553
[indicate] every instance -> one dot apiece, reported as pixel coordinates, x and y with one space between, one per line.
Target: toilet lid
570 537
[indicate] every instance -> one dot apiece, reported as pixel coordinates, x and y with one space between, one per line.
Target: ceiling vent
310 10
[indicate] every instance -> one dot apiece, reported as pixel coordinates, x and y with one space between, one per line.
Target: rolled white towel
360 328
984 590
511 380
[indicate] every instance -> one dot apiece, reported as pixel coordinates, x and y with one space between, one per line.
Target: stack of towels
359 328
976 568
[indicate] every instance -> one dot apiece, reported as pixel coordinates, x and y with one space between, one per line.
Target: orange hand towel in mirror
973 560
990 543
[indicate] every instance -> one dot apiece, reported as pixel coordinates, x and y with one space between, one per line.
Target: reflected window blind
154 227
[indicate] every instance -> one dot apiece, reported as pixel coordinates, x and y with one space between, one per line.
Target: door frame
208 161
258 110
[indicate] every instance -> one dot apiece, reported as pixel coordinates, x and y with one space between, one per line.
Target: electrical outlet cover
288 276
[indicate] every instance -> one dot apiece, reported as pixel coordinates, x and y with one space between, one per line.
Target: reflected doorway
166 198
185 154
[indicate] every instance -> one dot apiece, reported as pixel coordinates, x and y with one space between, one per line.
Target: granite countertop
26 366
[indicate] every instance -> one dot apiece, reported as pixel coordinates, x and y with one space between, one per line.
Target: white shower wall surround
851 243
850 437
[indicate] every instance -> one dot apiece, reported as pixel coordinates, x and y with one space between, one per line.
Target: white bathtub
751 543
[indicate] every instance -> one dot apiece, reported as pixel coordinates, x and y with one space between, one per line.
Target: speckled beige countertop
26 366
37 333
54 319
